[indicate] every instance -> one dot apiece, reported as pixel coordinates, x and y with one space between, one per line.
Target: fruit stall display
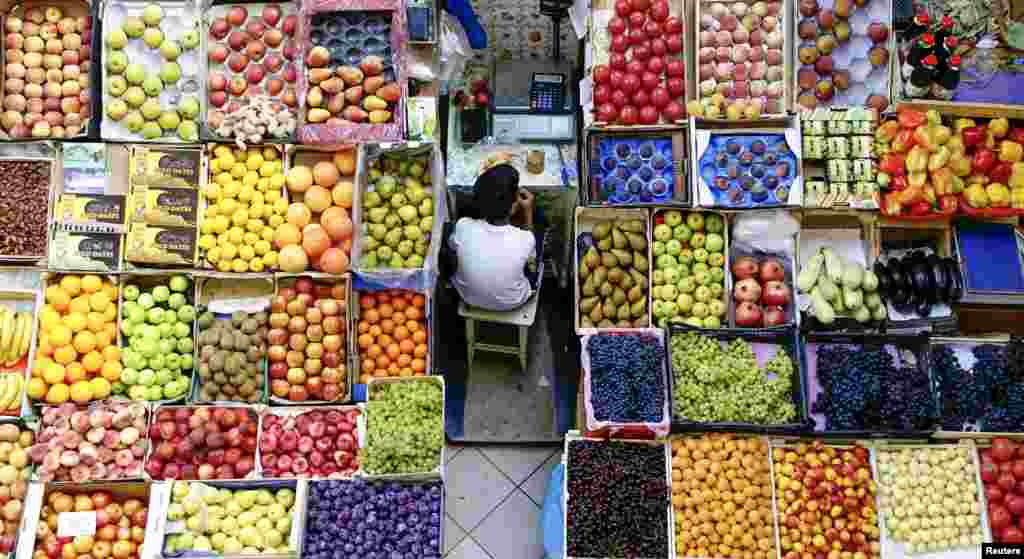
157 337
699 466
354 69
117 527
48 71
253 60
838 288
232 518
843 52
640 74
408 515
322 442
625 384
762 292
17 345
735 380
741 60
100 442
77 356
747 170
319 230
397 214
870 385
242 206
405 432
15 471
392 334
689 281
616 498
152 70
614 266
203 442
308 340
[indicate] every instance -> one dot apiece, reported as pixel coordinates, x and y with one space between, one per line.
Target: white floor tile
513 531
453 534
517 462
451 451
474 487
468 549
536 485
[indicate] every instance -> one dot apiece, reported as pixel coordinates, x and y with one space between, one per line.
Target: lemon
223 239
80 304
212 191
214 166
246 192
261 247
258 198
268 211
224 178
256 265
236 235
228 206
64 355
206 242
256 209
99 301
266 169
81 391
272 196
36 388
212 210
227 160
239 154
100 387
254 160
221 224
84 342
254 226
270 154
49 318
246 252
53 373
76 321
250 238
72 285
206 227
240 217
275 220
251 178
277 181
60 335
91 283
213 255
270 259
238 170
228 252
230 190
267 235
92 361
281 206
58 394
239 265
224 265
220 150
110 314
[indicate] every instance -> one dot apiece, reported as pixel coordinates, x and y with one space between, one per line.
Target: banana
12 356
26 340
19 388
6 329
7 390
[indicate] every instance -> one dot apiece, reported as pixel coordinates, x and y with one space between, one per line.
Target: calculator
547 92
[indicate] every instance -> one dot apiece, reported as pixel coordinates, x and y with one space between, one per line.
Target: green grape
405 433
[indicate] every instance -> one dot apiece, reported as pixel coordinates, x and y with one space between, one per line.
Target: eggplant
882 273
923 309
907 305
938 272
921 281
898 296
898 280
956 283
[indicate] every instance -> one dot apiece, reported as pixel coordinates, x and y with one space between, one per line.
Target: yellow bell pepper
976 196
938 159
1017 198
1017 181
962 123
917 159
998 195
941 134
917 179
942 180
1010 151
960 164
933 117
999 127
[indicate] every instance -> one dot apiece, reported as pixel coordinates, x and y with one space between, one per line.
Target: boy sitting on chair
493 256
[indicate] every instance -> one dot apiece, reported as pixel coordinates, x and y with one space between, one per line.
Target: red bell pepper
904 141
909 118
892 205
1016 135
899 183
984 160
948 205
920 208
1001 172
659 219
973 136
929 195
895 164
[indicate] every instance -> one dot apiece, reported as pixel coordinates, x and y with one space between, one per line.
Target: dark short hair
496 192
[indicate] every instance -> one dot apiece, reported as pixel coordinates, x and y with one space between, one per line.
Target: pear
585 322
609 309
601 230
623 313
600 275
635 294
592 258
623 256
636 242
618 296
584 271
640 322
638 308
589 288
619 240
606 289
640 261
606 324
632 225
615 275
595 314
627 282
604 244
623 324
587 305
608 260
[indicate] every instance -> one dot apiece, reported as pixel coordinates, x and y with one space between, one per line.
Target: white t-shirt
491 263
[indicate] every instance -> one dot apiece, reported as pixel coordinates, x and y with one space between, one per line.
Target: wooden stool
522 318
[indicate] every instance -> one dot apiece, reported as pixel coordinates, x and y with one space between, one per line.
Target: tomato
909 118
602 74
894 164
999 517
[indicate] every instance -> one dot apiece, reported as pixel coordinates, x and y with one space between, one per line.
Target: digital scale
534 100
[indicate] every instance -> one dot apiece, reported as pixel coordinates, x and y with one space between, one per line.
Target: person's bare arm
525 205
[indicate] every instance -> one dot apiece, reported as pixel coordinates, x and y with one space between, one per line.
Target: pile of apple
120 526
1002 472
230 521
307 341
203 443
249 56
760 292
647 44
310 444
349 94
14 474
46 92
108 441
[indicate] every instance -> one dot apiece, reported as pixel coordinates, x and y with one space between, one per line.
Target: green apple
188 131
716 290
669 292
188 107
152 86
700 255
702 294
666 261
716 307
712 322
717 274
170 73
687 285
658 248
135 73
658 308
286 497
135 96
117 39
682 232
133 27
152 14
134 122
153 37
658 277
116 85
699 310
695 221
117 62
671 275
662 232
714 242
673 218
702 278
695 322
714 223
671 309
684 302
716 259
190 39
700 267
116 109
170 50
151 110
673 247
697 240
169 120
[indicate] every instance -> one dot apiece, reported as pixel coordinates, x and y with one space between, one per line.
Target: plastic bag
768 231
455 50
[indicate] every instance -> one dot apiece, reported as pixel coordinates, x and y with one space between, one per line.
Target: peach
318 57
236 15
255 50
371 66
55 76
218 98
219 28
218 54
14 85
273 38
237 40
14 40
15 70
237 62
70 58
275 86
217 81
255 74
272 63
237 85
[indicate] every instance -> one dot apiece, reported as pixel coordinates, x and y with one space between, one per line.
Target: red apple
776 293
744 267
748 314
772 270
747 290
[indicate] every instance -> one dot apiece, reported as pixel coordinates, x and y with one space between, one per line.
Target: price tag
74 524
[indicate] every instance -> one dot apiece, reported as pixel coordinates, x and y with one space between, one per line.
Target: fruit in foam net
317 233
120 525
311 444
202 443
393 336
307 340
244 205
109 441
77 357
399 213
230 521
156 323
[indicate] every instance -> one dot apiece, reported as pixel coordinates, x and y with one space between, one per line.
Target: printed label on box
74 524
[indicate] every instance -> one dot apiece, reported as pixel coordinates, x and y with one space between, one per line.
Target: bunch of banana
11 385
15 335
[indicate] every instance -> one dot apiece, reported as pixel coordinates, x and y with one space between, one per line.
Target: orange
100 387
383 361
112 353
419 365
95 322
413 313
384 340
58 394
364 379
401 333
406 372
399 317
375 331
64 354
367 301
59 336
84 342
421 350
92 361
374 350
365 341
399 304
407 346
111 371
387 326
393 370
419 336
372 316
36 388
393 351
419 301
369 365
364 326
74 373
404 360
386 311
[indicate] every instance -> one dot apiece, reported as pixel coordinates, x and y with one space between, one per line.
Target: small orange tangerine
386 311
383 362
413 313
399 304
364 379
112 353
419 301
379 373
364 326
111 371
404 360
383 298
401 333
419 365
405 372
384 340
393 370
421 350
393 351
64 354
374 350
419 336
92 361
375 331
407 347
387 326
367 302
103 340
372 316
74 372
365 341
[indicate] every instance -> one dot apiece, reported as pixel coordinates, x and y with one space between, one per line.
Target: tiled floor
494 499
